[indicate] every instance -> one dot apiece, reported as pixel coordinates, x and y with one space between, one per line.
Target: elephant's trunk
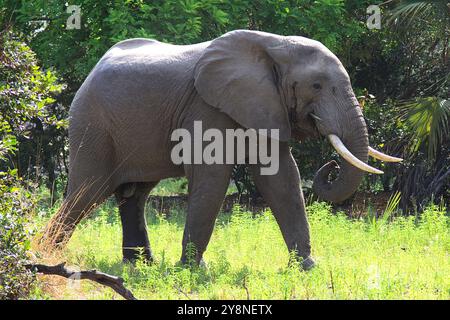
355 139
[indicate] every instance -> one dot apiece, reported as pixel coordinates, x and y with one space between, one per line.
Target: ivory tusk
315 117
347 155
383 157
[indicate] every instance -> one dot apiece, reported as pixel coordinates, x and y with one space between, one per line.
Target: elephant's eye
317 86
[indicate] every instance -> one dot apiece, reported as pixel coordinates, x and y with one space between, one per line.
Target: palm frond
428 119
392 205
408 11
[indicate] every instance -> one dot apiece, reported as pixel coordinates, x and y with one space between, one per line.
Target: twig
115 283
244 284
181 291
332 281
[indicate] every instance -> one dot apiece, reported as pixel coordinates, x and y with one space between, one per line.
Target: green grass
171 186
176 186
392 258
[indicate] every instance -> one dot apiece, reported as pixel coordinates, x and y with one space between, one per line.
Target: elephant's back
149 51
142 73
145 64
134 43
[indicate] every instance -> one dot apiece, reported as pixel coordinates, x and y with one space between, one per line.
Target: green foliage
25 92
405 13
428 120
408 74
28 109
75 52
25 96
391 206
16 206
172 186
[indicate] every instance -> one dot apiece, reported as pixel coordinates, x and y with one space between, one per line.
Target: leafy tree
25 98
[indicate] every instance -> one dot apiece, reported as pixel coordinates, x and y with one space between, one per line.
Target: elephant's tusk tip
383 157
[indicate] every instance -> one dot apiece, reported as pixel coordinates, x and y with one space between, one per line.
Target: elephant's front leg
207 187
283 193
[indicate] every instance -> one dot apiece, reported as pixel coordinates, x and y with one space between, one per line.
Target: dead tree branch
115 283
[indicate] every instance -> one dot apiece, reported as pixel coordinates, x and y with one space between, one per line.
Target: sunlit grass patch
367 258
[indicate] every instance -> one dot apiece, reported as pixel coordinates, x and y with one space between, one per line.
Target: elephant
141 90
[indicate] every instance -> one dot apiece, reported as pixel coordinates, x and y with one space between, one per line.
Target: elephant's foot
308 263
197 262
132 255
304 263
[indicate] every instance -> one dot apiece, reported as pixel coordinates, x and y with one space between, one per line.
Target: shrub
25 95
15 208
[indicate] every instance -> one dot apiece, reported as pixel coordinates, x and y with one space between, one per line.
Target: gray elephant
122 118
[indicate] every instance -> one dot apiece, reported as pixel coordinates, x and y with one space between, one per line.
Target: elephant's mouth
305 128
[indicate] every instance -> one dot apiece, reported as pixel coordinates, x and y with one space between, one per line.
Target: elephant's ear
237 74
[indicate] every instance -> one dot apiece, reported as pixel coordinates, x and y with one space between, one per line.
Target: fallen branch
115 283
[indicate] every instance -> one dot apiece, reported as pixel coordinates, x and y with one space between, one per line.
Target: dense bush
25 98
16 206
31 124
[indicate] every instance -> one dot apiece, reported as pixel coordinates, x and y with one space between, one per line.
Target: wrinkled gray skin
141 90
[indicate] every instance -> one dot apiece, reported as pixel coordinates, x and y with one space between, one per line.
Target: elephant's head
296 85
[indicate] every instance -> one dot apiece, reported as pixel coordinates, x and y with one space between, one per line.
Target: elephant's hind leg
131 198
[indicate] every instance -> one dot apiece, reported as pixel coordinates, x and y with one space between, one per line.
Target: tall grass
396 258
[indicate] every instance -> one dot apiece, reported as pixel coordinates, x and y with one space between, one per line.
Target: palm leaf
391 206
428 119
408 11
